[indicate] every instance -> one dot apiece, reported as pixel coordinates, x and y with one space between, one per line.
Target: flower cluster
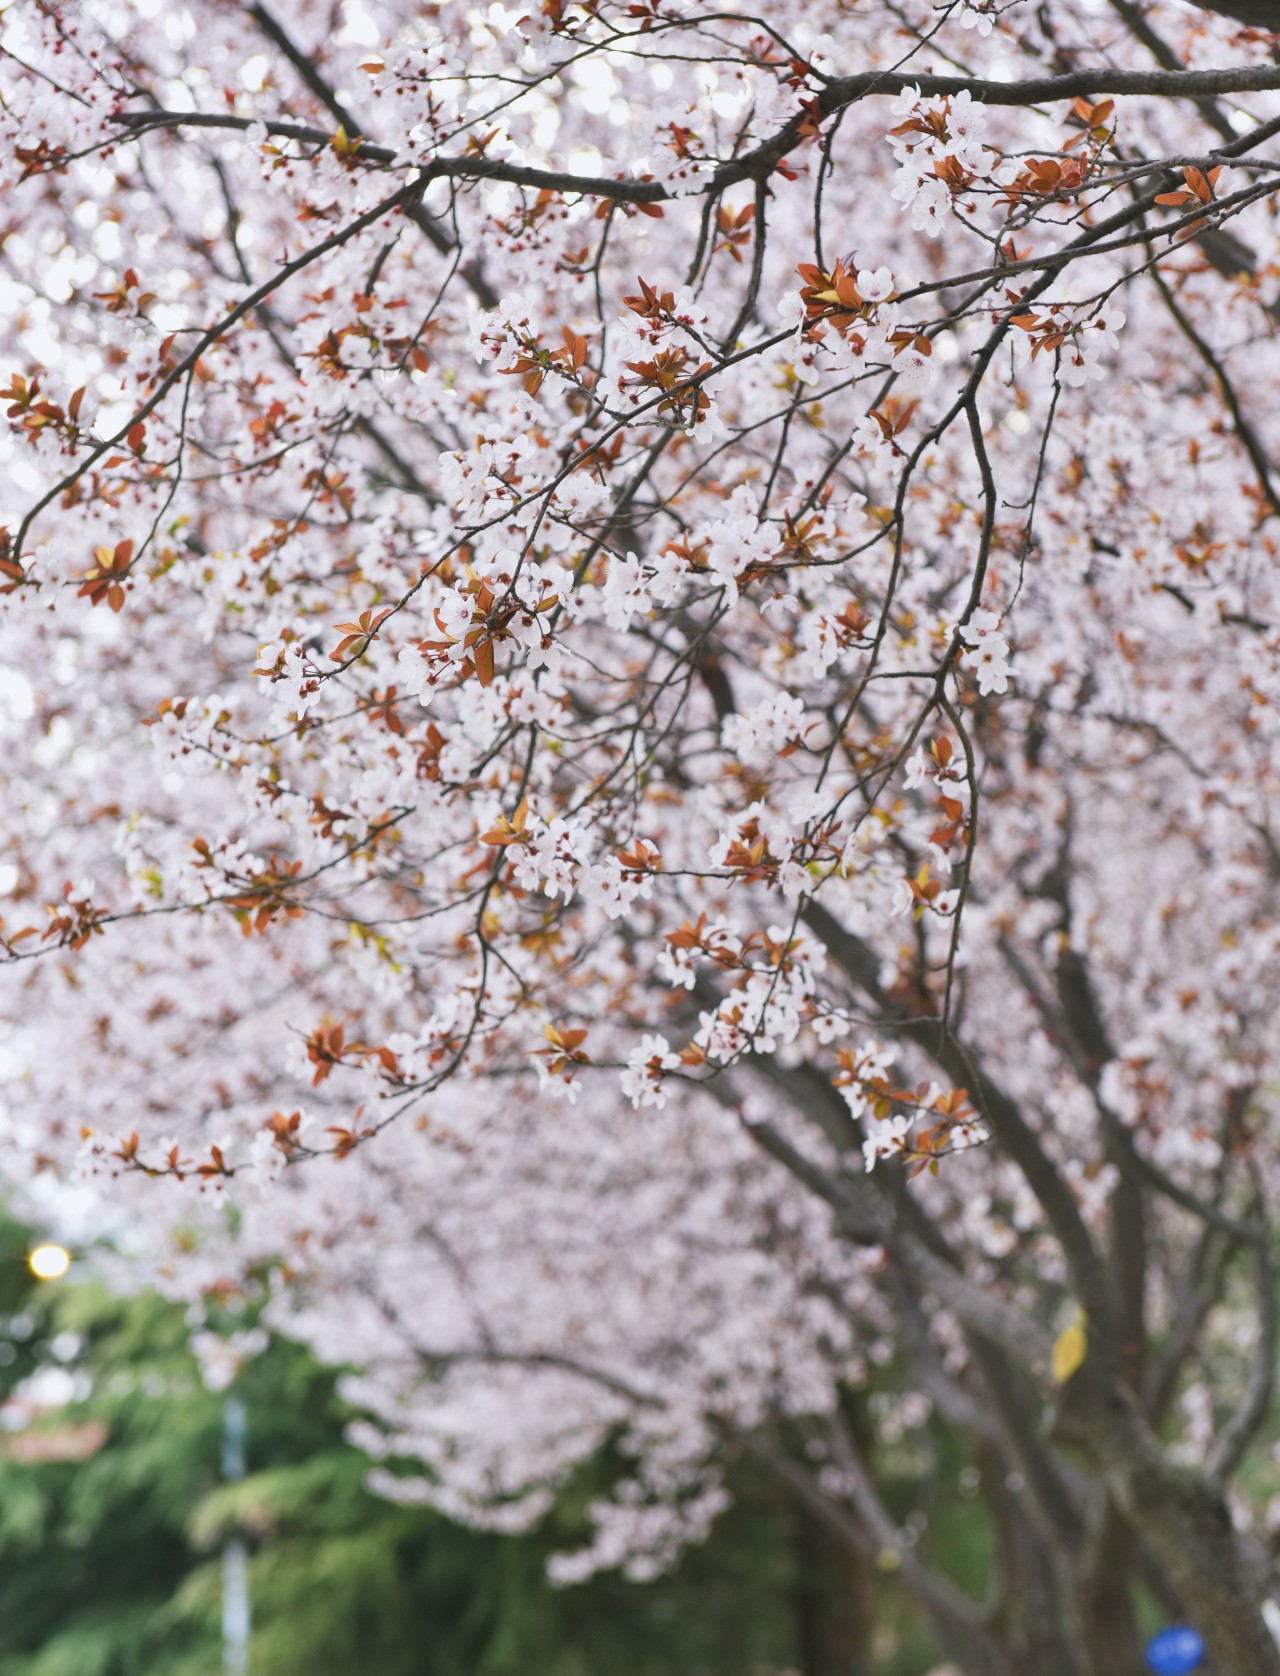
939 144
987 651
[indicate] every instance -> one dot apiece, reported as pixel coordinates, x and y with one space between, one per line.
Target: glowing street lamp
49 1261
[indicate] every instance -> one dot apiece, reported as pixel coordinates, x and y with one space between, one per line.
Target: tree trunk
1034 1621
1115 1648
1182 1518
835 1604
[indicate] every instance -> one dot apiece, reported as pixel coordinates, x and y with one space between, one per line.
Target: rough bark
1258 14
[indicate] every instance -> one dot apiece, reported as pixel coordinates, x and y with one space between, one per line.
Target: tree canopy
641 663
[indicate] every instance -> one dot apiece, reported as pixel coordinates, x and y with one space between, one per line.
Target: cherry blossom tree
640 692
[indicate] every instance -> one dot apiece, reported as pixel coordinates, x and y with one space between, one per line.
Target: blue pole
235 1556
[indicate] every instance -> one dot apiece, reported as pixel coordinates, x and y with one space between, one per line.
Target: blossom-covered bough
641 660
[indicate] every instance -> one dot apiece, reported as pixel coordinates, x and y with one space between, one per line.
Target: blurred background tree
113 1513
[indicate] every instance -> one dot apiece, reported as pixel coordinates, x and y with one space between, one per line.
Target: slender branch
305 66
1238 1433
868 1221
544 1359
142 122
957 1406
834 97
1249 439
486 1355
1065 1036
1001 1112
1197 1295
1159 84
246 305
957 1619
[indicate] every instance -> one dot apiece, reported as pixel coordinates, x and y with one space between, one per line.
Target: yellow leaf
1069 1350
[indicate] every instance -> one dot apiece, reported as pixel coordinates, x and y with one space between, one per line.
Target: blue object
1175 1651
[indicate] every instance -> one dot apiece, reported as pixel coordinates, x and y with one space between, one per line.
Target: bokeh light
49 1262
